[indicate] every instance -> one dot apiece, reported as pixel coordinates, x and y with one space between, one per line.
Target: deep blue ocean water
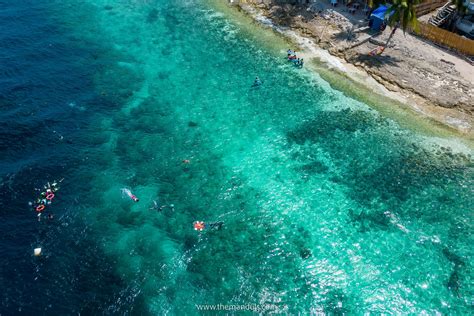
45 71
328 206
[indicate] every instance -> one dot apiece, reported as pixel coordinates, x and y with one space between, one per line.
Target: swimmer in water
155 206
171 207
257 82
216 225
129 193
200 226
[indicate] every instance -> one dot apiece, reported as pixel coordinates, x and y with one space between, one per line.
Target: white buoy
37 252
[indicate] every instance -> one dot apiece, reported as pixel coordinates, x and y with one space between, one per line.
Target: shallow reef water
328 206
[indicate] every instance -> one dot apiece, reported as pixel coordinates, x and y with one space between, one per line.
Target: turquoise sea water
327 205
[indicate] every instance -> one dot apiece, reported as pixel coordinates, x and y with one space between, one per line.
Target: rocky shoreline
431 81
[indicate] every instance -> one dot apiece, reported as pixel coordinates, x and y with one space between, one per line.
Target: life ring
40 208
199 226
50 196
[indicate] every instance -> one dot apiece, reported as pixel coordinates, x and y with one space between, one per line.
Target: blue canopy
380 12
377 18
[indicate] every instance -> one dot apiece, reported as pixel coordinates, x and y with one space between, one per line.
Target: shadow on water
153 16
454 282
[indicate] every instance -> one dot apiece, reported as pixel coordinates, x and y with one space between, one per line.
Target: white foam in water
456 145
264 20
212 14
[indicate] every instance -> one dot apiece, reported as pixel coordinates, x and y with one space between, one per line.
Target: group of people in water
299 62
49 191
45 198
198 225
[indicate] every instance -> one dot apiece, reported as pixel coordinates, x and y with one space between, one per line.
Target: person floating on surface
129 193
159 208
216 225
46 197
257 82
155 206
200 226
171 207
50 217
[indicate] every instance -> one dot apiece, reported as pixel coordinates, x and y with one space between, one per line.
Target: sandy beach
432 81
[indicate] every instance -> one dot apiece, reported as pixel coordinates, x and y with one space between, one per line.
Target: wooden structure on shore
445 38
428 6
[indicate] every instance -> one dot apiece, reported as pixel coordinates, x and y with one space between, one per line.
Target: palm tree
401 13
459 5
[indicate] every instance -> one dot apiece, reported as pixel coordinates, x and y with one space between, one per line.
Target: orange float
199 226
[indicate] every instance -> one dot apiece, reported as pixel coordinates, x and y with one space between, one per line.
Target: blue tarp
380 12
377 18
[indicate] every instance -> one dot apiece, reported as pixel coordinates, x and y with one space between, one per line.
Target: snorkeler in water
129 193
157 207
46 197
216 225
257 82
200 226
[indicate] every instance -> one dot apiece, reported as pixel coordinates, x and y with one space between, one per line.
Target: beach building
465 23
451 18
